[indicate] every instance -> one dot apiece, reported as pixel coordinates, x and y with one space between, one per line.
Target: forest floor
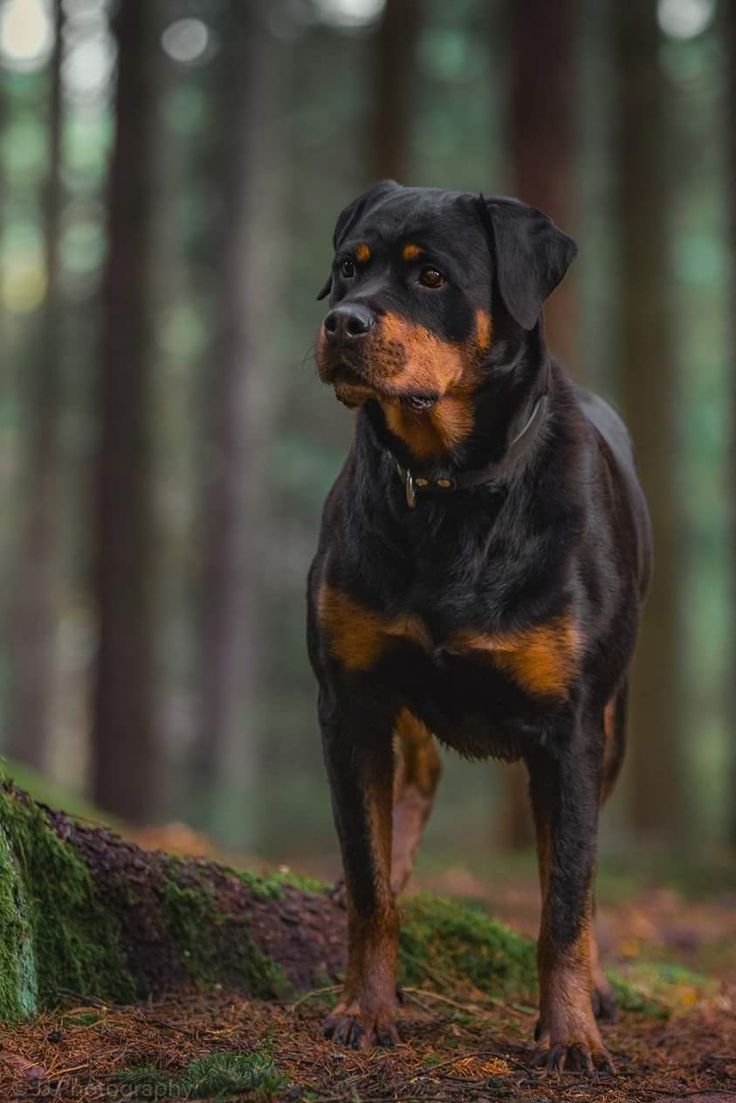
456 1045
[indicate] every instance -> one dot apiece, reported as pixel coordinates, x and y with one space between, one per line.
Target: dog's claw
352 1028
581 1056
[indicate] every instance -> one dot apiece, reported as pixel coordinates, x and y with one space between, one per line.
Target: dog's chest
541 659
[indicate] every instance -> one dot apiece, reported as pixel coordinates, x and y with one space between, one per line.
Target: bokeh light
26 34
186 40
685 18
350 13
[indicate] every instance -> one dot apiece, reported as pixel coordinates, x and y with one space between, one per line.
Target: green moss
216 1076
52 924
452 944
270 886
446 942
82 1018
267 887
209 949
18 981
301 882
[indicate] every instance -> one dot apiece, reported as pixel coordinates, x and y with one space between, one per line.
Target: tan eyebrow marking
411 251
363 252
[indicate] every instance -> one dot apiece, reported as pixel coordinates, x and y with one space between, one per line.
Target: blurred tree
34 597
240 397
126 759
542 131
648 388
730 44
542 137
395 78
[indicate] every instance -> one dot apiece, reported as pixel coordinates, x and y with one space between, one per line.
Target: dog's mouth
353 387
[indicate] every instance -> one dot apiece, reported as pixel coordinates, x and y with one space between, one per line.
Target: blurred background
170 173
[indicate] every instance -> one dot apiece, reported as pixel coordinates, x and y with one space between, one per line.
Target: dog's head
418 279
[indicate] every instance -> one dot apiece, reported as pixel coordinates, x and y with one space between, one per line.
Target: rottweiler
482 563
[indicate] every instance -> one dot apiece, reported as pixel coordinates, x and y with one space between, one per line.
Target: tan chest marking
358 636
543 659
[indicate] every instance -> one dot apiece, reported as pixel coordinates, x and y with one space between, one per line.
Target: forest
170 175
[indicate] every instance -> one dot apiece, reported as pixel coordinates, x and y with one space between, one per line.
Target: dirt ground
455 1046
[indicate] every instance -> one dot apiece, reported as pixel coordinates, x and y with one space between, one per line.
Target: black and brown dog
481 567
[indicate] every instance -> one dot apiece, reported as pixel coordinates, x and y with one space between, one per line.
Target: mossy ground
82 912
56 934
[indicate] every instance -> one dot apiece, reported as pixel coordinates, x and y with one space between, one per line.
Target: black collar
463 480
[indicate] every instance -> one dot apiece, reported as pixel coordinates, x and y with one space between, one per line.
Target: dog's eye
347 268
430 277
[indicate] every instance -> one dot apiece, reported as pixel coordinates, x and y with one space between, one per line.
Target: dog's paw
352 1026
578 1049
605 1007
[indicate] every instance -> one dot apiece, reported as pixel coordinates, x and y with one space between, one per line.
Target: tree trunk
730 125
83 912
649 399
542 129
395 68
542 119
34 599
126 767
241 397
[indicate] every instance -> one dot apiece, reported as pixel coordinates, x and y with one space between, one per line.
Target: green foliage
216 1076
55 932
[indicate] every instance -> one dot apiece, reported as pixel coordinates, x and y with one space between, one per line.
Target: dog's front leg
565 788
357 741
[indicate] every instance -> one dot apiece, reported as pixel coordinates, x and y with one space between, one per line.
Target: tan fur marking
483 329
402 358
411 252
438 430
427 364
359 636
565 984
363 253
542 659
417 773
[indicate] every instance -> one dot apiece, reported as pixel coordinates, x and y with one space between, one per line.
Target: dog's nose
348 323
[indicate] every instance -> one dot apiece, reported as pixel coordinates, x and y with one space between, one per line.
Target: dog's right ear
350 215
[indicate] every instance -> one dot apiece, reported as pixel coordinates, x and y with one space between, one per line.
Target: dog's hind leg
614 726
418 769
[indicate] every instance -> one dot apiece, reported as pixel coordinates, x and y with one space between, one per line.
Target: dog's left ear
532 256
350 215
